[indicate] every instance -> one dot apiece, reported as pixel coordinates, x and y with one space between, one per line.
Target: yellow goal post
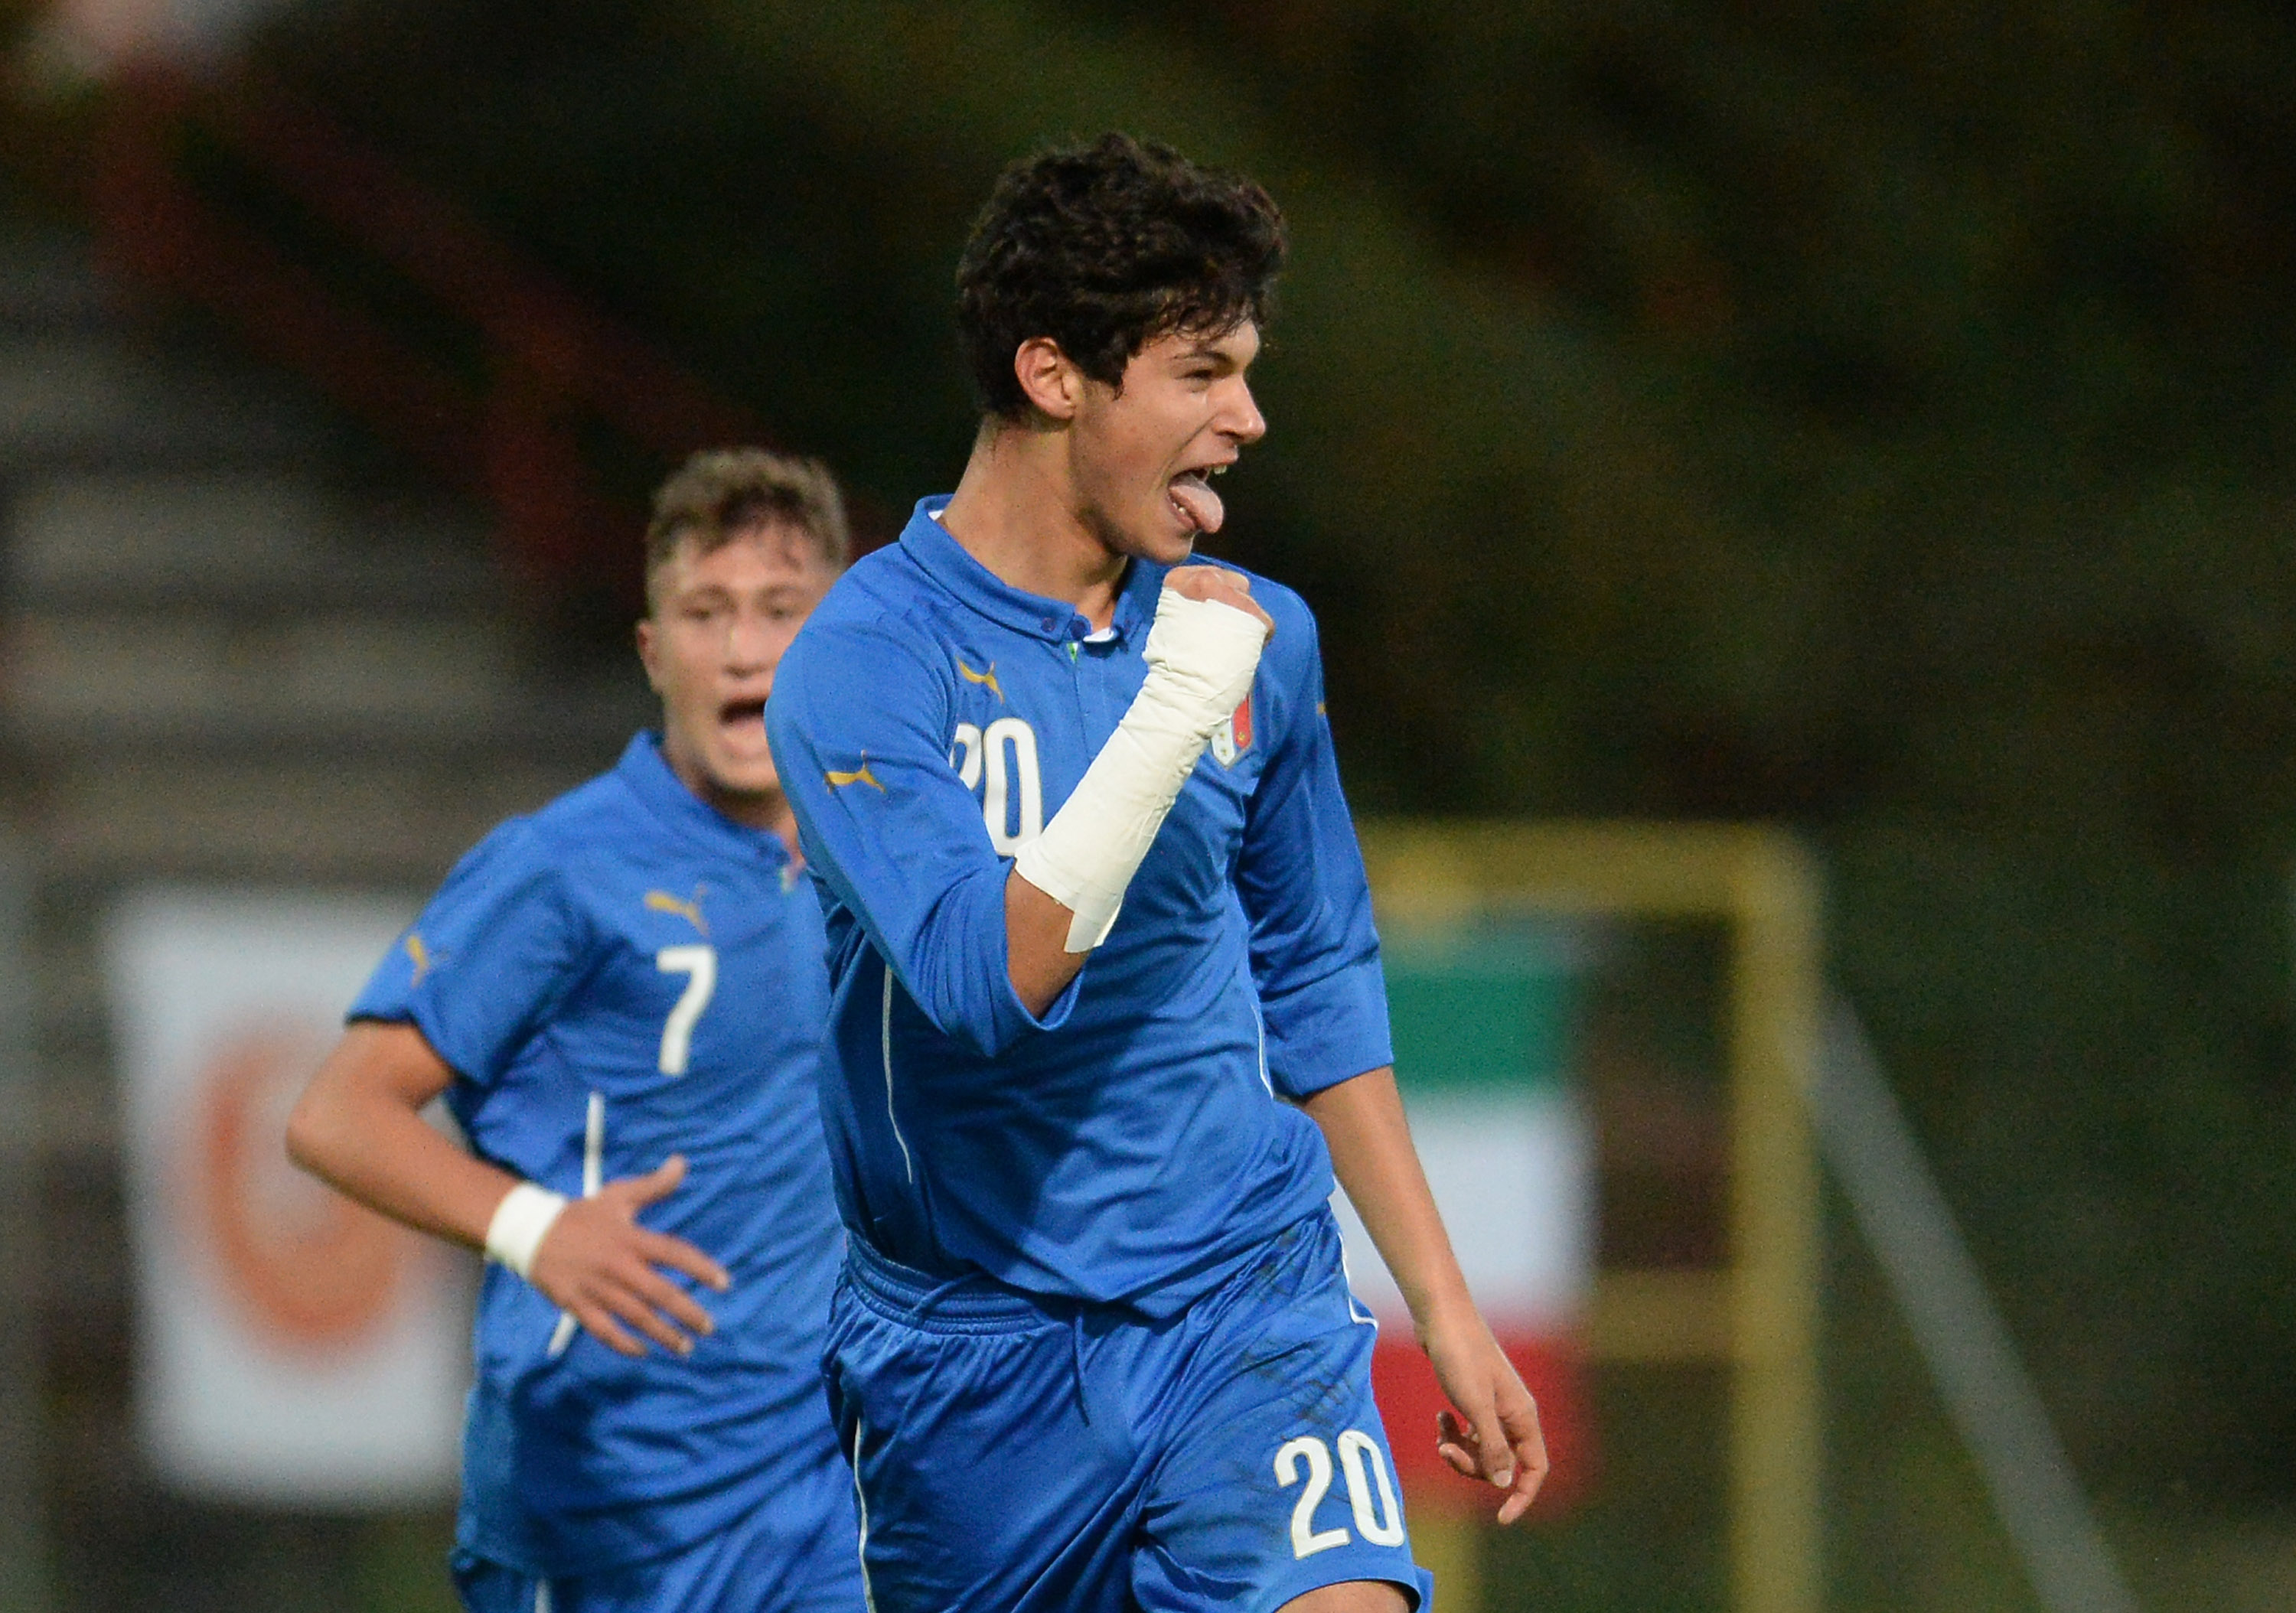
1758 1315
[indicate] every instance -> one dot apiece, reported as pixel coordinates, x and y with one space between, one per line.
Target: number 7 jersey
624 976
1135 1143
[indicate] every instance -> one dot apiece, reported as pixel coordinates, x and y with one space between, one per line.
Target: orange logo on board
314 1271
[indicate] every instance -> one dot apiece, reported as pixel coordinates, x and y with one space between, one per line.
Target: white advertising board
291 1347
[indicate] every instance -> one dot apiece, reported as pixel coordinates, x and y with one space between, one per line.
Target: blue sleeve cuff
1330 1030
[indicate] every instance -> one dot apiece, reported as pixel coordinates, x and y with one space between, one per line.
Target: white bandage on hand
1202 655
525 1214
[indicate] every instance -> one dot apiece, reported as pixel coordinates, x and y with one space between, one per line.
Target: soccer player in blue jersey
1107 1002
623 1000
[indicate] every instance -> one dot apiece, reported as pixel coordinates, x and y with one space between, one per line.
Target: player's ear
646 647
1053 385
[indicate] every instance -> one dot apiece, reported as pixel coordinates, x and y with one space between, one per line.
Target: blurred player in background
1108 1006
622 999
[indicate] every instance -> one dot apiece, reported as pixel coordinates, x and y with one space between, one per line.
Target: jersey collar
648 773
943 559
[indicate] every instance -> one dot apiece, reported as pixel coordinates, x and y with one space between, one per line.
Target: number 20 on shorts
1377 1517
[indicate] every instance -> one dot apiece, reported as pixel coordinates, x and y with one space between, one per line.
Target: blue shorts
755 1567
1021 1455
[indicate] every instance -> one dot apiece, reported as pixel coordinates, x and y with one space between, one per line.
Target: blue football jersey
625 975
1135 1143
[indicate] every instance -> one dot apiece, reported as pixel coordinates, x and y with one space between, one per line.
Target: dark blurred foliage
1868 416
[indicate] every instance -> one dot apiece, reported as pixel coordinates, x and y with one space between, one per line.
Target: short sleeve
489 960
1314 950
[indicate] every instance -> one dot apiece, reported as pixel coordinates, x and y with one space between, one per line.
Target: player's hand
1217 583
600 1265
1494 1434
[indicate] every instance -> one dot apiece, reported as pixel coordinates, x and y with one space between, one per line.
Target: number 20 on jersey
1000 761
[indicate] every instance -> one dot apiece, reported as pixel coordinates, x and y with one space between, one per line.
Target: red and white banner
290 1347
1484 1043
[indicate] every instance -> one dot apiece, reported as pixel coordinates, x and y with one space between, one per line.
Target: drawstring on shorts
1076 1358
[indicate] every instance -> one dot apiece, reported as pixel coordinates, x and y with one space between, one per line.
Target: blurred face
717 627
1143 456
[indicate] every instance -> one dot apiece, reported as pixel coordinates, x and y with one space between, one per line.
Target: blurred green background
1871 418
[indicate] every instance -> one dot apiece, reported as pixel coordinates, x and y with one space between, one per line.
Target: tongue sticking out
1197 502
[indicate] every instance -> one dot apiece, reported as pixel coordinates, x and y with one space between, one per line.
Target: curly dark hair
1104 248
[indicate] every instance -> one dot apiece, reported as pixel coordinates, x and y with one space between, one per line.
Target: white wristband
1201 657
526 1213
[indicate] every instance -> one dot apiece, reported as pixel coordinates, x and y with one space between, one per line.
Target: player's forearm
1035 945
363 1134
1363 1126
396 1164
1202 653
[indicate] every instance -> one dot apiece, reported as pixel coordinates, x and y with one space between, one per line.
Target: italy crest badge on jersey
1233 738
